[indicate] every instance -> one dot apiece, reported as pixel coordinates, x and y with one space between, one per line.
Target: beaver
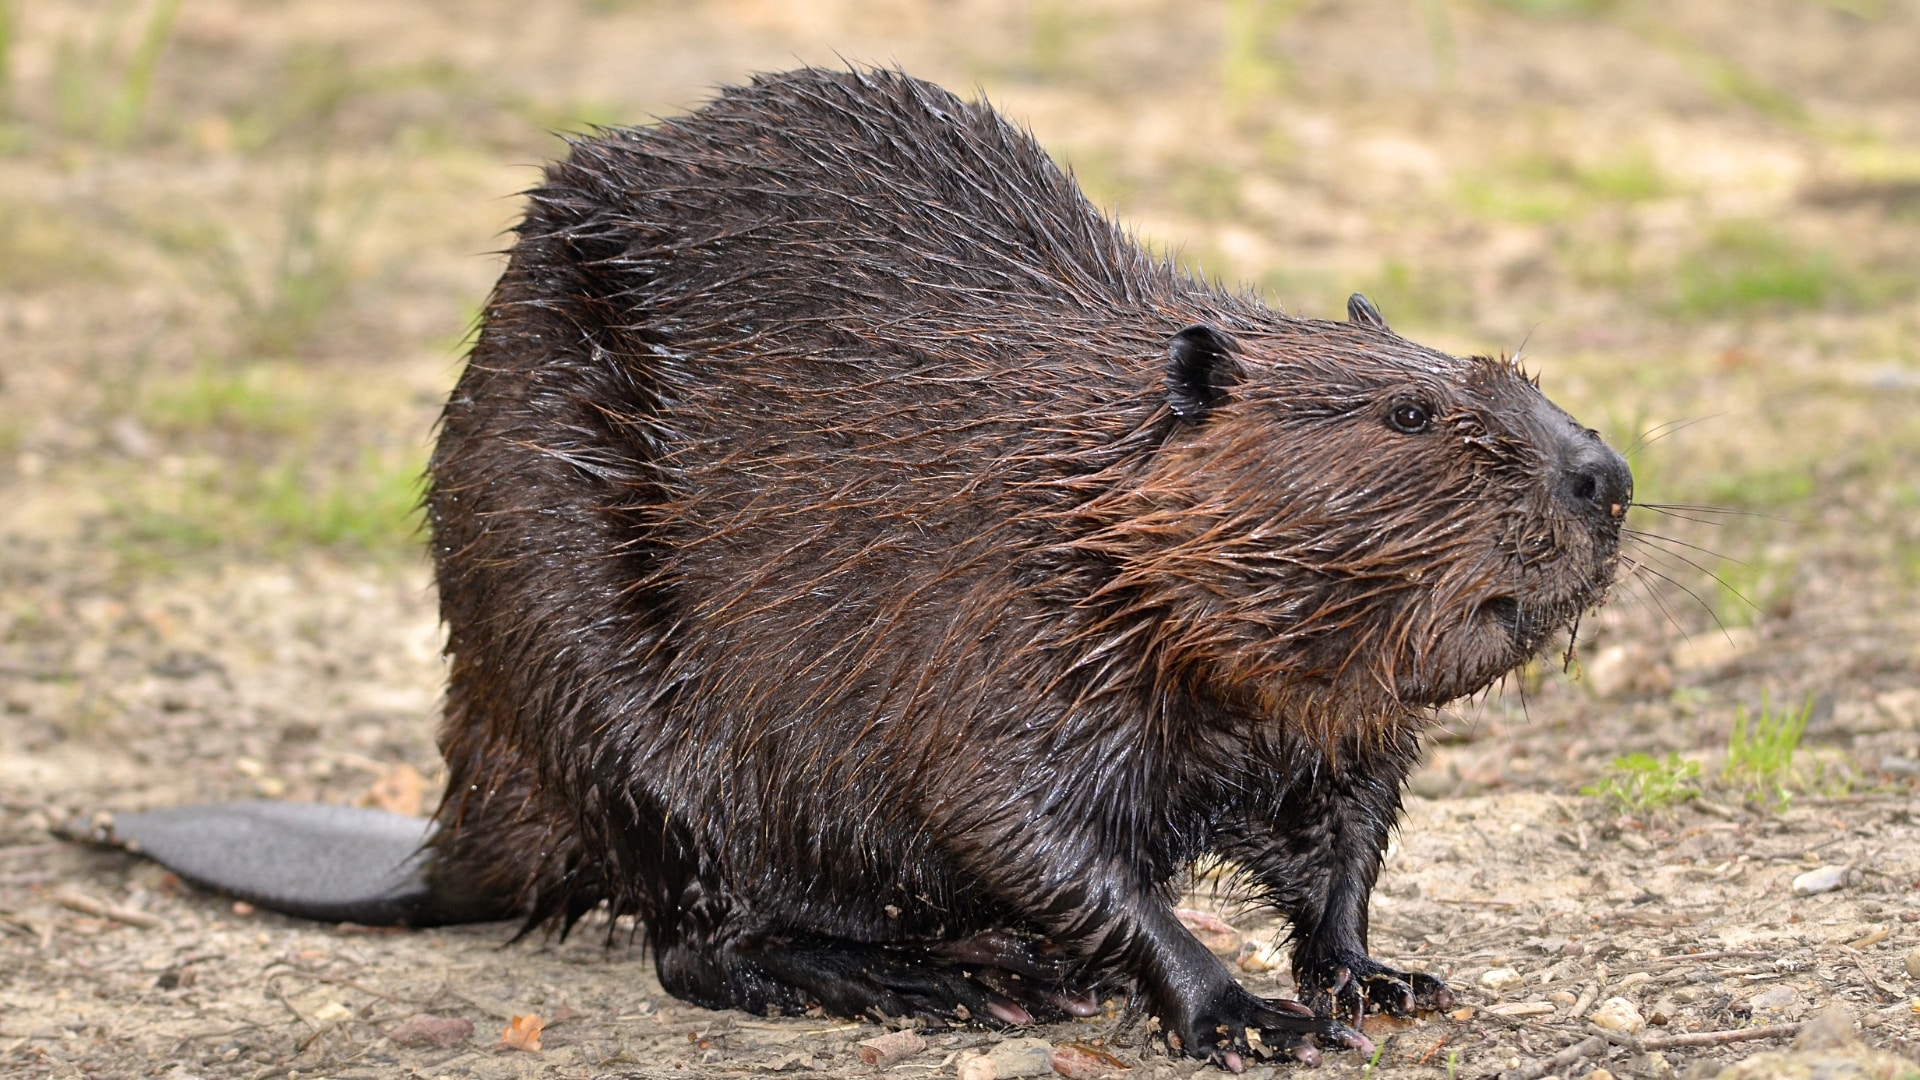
867 566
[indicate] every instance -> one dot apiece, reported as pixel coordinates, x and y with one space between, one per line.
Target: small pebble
1599 1074
1618 1014
1562 998
1913 962
1502 979
1777 998
1825 879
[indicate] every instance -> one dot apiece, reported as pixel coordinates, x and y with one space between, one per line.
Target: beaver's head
1344 526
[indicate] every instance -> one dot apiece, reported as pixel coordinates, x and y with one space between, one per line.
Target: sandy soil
1701 220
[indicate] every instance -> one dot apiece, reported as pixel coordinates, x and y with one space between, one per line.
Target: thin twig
1720 1038
99 909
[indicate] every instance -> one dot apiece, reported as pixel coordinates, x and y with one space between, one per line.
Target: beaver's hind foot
977 980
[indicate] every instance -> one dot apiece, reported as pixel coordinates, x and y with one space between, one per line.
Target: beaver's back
770 434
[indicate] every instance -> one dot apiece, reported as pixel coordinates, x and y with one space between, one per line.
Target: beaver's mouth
1503 631
1527 626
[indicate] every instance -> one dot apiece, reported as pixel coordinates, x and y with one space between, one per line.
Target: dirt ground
241 242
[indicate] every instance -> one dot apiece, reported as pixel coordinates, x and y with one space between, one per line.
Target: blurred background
243 242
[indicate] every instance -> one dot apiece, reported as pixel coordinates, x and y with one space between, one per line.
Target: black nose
1595 480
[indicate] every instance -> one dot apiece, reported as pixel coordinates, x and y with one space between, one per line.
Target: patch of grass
102 84
1744 267
1626 178
1638 783
1514 197
371 507
254 400
264 459
297 501
1760 748
1542 189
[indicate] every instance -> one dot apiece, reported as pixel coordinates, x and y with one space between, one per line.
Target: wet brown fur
837 565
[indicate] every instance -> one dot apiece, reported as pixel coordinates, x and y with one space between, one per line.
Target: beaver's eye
1410 419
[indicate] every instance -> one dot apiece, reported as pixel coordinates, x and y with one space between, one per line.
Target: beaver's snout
1594 479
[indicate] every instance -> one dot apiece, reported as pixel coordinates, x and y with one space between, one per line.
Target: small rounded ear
1200 367
1361 312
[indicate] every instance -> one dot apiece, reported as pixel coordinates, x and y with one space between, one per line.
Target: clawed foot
1346 987
1235 1031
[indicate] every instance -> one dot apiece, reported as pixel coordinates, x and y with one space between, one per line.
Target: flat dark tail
313 860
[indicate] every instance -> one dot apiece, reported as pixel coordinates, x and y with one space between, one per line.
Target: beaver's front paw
1229 1031
1345 985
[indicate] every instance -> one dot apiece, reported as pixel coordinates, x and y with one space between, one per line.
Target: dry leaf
894 1046
1078 1061
522 1033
